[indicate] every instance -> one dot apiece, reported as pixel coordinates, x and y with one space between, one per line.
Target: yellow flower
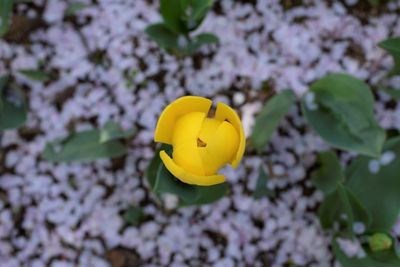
201 145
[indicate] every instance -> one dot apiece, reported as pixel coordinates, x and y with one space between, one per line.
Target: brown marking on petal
200 143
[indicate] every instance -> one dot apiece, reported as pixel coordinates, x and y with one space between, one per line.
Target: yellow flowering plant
200 145
194 147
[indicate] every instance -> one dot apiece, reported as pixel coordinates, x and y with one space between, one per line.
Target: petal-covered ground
102 66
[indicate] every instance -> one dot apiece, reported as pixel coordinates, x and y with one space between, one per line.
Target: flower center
200 143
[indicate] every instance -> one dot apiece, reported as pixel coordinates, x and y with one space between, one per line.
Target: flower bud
201 145
379 242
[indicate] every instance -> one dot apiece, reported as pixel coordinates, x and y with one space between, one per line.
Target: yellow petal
189 178
187 129
185 152
221 148
224 112
208 128
181 106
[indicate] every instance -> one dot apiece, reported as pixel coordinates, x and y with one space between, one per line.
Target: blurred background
91 67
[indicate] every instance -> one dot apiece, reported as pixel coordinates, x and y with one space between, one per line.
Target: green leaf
12 106
340 109
270 117
183 16
393 92
329 173
378 188
167 183
206 38
133 215
194 12
200 40
83 146
201 8
163 36
152 169
392 46
112 131
367 261
208 194
75 7
262 189
341 207
178 43
35 75
6 8
172 11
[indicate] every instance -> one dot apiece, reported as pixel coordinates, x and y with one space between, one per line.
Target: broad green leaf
367 261
172 12
35 75
206 38
201 7
329 172
75 7
167 183
152 169
163 36
112 131
270 117
376 184
133 215
183 16
262 189
12 106
194 11
200 40
6 8
394 93
178 43
340 109
392 46
208 194
343 209
83 146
